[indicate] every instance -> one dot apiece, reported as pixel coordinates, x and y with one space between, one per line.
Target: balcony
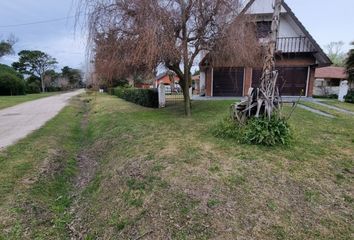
295 45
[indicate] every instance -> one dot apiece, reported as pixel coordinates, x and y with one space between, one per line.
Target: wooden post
162 95
265 99
268 89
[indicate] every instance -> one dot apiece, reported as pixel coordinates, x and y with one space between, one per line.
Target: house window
263 29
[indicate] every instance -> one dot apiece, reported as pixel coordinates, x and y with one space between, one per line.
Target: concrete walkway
333 107
285 100
316 111
18 121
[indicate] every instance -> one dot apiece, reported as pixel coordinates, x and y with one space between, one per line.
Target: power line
38 22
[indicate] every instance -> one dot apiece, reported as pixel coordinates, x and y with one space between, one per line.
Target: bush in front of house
329 96
256 131
264 131
349 98
11 84
143 97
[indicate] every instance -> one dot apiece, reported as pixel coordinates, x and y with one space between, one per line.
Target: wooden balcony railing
295 45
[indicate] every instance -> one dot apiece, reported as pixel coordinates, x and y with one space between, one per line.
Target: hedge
143 97
11 84
349 97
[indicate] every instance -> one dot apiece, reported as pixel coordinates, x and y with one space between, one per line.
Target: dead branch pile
266 99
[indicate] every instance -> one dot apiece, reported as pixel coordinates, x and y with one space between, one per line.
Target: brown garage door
291 81
228 82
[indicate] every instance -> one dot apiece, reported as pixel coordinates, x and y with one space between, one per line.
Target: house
138 82
166 78
328 79
143 85
298 55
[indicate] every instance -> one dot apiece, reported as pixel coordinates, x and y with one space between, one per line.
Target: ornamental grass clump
256 131
264 131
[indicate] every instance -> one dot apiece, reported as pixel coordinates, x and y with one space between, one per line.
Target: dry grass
160 175
164 176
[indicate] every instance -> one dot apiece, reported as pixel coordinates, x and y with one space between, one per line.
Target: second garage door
292 81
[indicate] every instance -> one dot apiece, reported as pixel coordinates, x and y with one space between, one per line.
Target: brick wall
311 82
247 80
208 82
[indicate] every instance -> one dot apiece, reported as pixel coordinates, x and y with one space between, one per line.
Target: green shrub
33 87
8 69
329 96
53 89
258 131
263 131
11 84
349 98
11 81
143 97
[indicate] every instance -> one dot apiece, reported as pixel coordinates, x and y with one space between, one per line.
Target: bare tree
6 46
335 52
137 36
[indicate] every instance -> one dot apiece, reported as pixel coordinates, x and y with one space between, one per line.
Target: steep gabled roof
320 55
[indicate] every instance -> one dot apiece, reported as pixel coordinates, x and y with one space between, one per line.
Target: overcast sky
326 20
55 35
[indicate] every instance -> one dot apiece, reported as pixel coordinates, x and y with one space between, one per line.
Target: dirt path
18 121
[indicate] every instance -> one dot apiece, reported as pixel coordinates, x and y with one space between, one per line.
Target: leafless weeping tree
140 35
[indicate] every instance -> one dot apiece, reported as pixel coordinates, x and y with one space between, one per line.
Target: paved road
18 121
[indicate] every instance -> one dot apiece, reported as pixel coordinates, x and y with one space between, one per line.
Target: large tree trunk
186 67
185 83
187 98
42 84
187 102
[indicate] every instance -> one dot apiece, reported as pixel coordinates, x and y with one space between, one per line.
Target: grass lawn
105 168
8 101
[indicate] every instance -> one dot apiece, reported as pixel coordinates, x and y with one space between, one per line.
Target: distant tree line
34 72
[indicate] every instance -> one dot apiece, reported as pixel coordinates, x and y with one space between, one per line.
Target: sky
326 20
57 36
